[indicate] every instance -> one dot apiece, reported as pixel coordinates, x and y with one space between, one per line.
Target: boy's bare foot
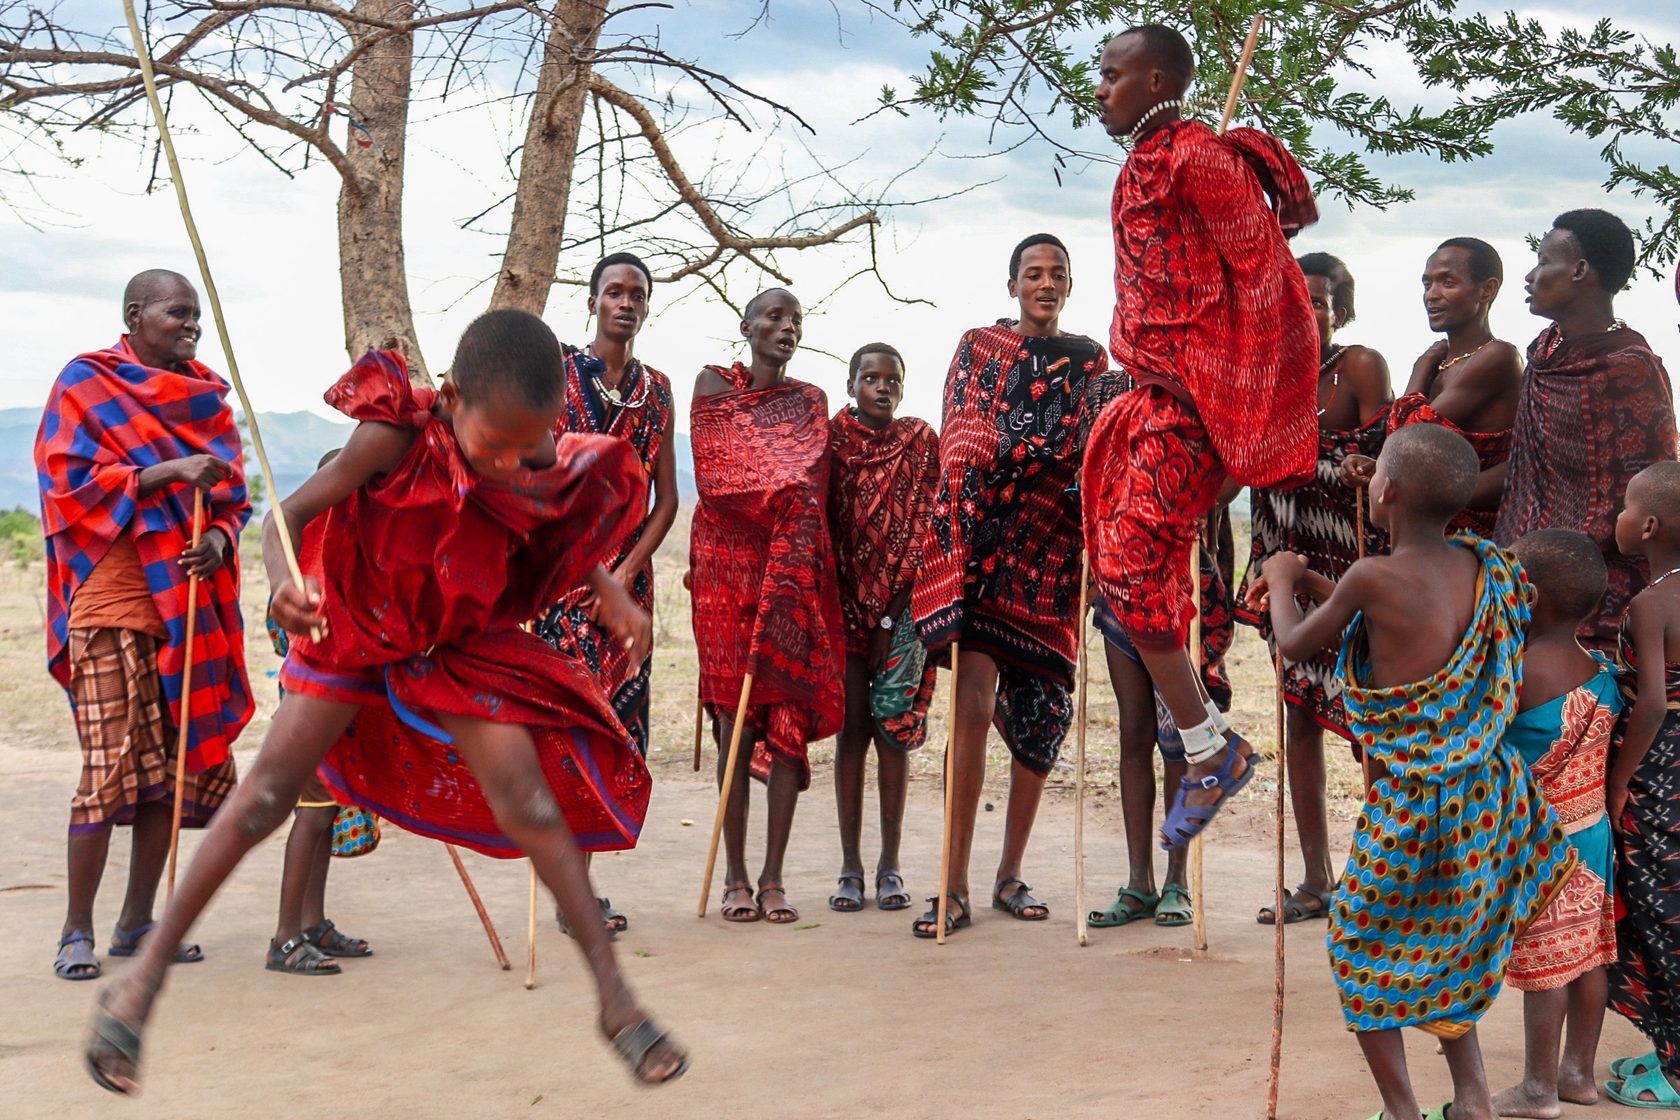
1527 1099
1575 1087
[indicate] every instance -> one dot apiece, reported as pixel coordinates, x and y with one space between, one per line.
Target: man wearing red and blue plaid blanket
127 435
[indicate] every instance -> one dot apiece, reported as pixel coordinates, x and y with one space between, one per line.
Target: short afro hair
1484 258
1567 568
1435 467
1169 50
611 259
1606 243
1659 490
867 349
1028 243
1336 271
511 355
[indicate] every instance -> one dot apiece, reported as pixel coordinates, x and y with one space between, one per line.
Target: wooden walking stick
1241 75
1275 1077
1198 911
723 790
478 905
941 908
699 729
531 933
185 720
1081 926
144 58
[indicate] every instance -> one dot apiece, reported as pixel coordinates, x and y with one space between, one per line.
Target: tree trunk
371 263
547 159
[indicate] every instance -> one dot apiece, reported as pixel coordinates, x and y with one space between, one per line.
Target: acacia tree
1022 62
312 81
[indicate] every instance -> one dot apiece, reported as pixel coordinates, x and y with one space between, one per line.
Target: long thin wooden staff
699 729
478 905
1198 909
531 932
1275 1077
941 908
185 720
1081 926
1359 533
1241 75
723 790
143 56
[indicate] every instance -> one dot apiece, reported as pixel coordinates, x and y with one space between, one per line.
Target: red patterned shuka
879 502
761 566
1492 449
434 569
107 419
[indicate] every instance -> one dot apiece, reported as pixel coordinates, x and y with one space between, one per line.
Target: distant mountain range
295 442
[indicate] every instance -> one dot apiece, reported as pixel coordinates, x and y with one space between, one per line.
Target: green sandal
1630 1091
1623 1068
1174 909
1121 913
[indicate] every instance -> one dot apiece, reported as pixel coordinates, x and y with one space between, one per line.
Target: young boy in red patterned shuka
1214 324
450 518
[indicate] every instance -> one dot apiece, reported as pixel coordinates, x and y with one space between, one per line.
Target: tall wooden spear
185 720
1081 924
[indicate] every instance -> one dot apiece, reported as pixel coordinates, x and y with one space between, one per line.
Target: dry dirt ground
841 1015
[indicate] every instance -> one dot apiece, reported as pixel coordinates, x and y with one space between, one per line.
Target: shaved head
1567 568
153 284
757 301
1435 467
1657 488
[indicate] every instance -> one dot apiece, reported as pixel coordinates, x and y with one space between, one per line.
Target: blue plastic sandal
75 960
126 943
1185 822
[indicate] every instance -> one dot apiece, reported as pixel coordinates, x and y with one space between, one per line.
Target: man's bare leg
740 798
851 753
1536 1095
977 679
504 760
783 800
1304 755
1588 997
149 856
1136 698
85 856
1181 690
303 730
1026 789
892 781
1385 1054
1471 1099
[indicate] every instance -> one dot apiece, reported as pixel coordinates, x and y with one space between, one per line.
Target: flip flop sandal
330 941
742 912
75 960
1175 909
126 943
890 893
848 900
300 957
784 908
110 1037
1630 1091
1293 909
1019 901
1623 1068
1121 913
926 927
635 1043
1185 822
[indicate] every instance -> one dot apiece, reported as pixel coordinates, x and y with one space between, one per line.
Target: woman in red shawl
761 574
884 474
451 518
609 392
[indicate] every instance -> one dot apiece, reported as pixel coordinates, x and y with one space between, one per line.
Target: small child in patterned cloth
1455 849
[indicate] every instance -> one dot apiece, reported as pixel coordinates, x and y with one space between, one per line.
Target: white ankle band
1217 717
1202 741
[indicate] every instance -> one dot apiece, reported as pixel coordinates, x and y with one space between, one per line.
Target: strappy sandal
300 957
848 900
1185 822
75 959
330 941
635 1043
1294 908
747 911
108 1036
1175 909
1122 912
126 943
770 912
889 891
927 926
614 922
1019 901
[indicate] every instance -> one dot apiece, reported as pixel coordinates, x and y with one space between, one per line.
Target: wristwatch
887 622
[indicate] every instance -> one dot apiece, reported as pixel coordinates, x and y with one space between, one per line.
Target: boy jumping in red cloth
1214 324
451 518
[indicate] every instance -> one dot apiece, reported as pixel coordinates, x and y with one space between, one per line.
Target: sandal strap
634 1043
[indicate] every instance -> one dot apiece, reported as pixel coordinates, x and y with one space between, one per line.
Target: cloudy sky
272 244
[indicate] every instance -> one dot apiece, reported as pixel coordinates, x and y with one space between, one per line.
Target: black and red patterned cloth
642 418
434 570
1595 410
1213 323
1000 563
880 499
107 418
761 565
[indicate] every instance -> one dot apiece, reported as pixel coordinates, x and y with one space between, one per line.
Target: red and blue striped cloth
108 418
